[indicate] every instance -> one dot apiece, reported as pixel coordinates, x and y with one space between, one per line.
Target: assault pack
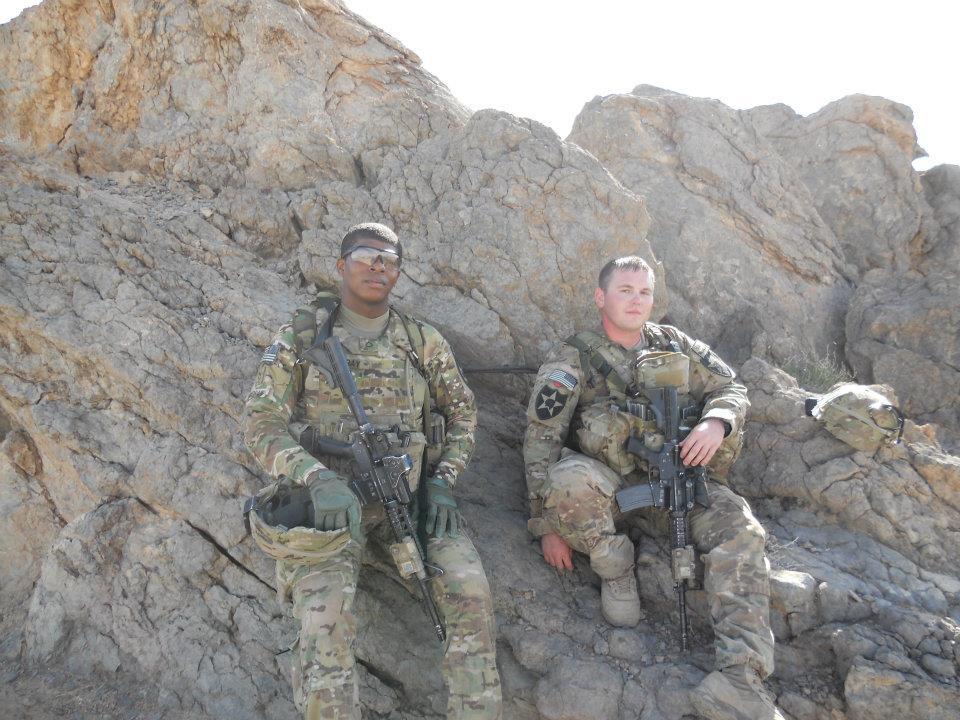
858 415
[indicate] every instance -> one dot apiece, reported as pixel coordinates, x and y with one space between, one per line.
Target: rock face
874 585
904 329
733 222
854 157
174 180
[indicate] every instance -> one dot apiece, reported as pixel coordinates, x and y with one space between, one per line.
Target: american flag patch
562 378
270 354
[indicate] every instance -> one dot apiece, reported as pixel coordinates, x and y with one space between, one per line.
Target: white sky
546 59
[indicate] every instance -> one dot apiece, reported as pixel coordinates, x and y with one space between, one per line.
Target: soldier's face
367 284
628 300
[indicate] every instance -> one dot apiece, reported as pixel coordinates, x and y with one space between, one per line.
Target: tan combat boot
619 600
736 693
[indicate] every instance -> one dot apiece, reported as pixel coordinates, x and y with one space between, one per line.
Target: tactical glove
335 506
443 518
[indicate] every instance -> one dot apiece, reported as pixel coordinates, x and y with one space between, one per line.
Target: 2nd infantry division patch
550 401
709 359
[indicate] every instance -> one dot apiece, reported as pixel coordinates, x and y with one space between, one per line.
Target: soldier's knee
751 537
579 476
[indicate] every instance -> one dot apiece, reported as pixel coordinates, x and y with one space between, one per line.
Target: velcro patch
270 354
550 402
562 379
710 360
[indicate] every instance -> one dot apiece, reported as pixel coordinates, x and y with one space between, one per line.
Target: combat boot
735 693
619 600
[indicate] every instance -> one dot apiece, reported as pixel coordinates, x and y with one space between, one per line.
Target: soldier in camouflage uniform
407 377
572 477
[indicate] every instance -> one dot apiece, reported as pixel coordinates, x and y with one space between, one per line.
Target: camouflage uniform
572 493
318 570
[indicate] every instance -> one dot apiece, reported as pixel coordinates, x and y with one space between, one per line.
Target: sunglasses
369 256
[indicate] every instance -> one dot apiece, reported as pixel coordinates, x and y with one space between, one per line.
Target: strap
415 336
589 344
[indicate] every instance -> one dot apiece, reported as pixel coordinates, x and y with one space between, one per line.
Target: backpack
858 415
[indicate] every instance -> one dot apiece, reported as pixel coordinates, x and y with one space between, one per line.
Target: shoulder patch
710 361
550 402
270 354
561 379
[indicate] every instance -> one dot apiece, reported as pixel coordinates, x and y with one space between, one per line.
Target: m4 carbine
670 485
383 479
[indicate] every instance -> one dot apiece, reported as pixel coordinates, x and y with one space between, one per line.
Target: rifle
670 485
383 479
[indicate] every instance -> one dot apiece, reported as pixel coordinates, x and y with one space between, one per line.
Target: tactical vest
390 378
610 412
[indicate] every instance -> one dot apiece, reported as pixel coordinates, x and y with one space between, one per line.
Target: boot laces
624 585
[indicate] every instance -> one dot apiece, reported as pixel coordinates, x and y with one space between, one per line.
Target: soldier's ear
341 266
599 298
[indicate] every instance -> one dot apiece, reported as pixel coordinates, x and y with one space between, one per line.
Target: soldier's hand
335 506
702 443
556 551
443 518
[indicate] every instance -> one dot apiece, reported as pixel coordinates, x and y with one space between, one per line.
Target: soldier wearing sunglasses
409 385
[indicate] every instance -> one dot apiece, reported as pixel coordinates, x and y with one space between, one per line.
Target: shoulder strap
308 335
589 344
415 336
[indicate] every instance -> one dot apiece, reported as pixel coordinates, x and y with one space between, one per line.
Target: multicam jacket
568 396
291 399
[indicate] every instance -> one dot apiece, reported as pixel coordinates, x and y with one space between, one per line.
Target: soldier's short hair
369 231
627 262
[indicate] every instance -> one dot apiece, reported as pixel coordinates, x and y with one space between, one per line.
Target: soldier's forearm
268 440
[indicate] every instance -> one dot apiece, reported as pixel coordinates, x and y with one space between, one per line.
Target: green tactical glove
442 514
335 506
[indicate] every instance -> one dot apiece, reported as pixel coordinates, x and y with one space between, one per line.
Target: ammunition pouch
435 439
603 434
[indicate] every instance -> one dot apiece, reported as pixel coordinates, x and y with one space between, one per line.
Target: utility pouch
661 368
436 437
603 435
407 558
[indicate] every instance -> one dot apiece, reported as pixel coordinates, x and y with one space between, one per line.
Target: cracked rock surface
174 180
732 221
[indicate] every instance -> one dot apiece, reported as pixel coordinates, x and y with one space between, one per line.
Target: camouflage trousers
579 504
324 669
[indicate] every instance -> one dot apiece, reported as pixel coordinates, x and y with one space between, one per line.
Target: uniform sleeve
454 400
713 382
268 409
553 401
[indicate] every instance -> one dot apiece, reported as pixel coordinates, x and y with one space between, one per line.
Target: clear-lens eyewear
369 256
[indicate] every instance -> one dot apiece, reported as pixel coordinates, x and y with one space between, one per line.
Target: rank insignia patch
270 354
550 401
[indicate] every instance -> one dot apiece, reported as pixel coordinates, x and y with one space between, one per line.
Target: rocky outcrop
174 180
854 156
224 93
873 585
904 329
732 221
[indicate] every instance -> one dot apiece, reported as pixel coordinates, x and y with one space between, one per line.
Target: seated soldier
410 386
572 478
